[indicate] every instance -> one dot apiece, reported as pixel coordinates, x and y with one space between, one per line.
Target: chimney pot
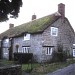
11 25
33 17
61 9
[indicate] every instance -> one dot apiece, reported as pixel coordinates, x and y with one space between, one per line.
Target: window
25 49
49 51
6 41
73 44
73 52
54 31
26 36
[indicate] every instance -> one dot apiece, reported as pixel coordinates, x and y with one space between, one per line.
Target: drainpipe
1 52
11 49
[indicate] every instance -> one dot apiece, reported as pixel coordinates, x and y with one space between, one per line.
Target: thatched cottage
39 36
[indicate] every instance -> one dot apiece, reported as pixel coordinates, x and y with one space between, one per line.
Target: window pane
73 52
54 31
6 41
48 50
26 49
27 37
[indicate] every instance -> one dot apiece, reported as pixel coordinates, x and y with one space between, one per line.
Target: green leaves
11 7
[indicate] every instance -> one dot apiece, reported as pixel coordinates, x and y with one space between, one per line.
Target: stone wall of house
17 41
36 47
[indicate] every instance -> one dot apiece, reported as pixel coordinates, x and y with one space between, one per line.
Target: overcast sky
41 8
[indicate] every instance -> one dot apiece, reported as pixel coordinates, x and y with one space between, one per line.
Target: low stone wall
70 70
10 70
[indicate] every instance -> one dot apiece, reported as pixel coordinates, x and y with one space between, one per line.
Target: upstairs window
6 41
54 31
73 44
26 37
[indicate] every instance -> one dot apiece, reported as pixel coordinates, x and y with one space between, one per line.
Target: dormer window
54 31
26 37
73 44
6 41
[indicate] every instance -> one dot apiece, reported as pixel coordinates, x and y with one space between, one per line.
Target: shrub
59 55
23 57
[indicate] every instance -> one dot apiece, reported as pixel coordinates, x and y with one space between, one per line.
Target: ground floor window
48 50
25 49
73 52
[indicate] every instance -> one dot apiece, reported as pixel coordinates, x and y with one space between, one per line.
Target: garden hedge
23 57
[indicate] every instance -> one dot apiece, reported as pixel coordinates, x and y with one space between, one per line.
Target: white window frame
6 41
73 44
54 31
49 51
25 49
26 37
6 53
73 52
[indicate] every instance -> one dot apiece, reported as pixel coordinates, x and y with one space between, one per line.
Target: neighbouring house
39 36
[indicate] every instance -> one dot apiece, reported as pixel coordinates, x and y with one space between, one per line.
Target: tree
11 7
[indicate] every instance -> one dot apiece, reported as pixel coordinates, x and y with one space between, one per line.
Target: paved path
69 70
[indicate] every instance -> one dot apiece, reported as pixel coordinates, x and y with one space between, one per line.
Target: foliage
9 7
23 57
48 68
59 55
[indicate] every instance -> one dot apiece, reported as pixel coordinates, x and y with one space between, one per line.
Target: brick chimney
61 9
33 17
11 25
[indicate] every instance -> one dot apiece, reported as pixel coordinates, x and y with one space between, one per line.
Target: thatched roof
35 26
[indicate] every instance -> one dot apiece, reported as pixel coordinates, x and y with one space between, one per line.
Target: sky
41 8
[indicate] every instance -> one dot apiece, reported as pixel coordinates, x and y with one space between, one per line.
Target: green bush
23 57
58 56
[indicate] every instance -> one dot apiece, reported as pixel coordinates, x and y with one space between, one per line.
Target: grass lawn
45 68
6 62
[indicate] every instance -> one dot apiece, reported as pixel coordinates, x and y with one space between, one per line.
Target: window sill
48 54
26 40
